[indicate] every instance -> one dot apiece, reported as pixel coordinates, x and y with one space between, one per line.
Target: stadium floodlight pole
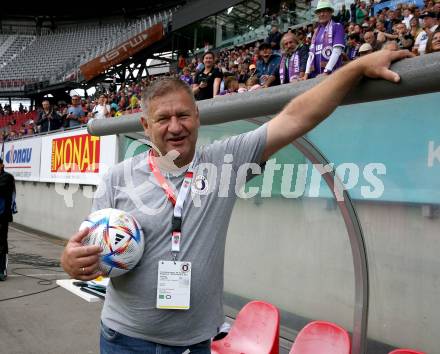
419 75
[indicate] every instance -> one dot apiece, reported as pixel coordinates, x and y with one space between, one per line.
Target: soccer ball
120 237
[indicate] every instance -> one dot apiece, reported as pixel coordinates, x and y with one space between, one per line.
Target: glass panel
394 146
291 250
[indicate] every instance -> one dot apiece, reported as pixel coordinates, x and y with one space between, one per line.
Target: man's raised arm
306 111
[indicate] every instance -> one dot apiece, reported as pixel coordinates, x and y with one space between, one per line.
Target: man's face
428 21
289 44
324 15
369 37
400 29
172 124
46 105
266 53
380 26
75 101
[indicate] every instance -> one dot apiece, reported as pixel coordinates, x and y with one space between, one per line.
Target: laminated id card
173 285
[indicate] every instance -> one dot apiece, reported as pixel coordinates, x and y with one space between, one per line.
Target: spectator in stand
404 38
102 109
274 39
365 49
294 59
252 70
75 113
181 63
370 38
390 21
112 87
207 82
48 119
243 73
430 24
327 43
343 15
353 45
231 85
186 76
433 44
415 27
252 83
361 12
407 17
268 66
391 45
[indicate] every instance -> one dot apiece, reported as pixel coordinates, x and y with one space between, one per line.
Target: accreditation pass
173 285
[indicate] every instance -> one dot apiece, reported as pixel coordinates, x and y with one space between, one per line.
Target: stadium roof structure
78 11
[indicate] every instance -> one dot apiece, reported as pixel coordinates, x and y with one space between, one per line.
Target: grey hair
163 87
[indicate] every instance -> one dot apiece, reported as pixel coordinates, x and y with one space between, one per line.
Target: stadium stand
24 58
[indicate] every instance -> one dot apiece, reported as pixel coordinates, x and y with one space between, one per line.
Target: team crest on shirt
327 52
200 185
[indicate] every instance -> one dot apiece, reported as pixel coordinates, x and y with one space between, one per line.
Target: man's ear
197 116
144 122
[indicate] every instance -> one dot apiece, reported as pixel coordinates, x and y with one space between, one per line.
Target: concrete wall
54 208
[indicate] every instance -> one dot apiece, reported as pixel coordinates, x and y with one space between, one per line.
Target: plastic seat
320 337
406 351
255 330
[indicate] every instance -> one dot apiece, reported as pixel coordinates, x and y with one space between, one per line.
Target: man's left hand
376 65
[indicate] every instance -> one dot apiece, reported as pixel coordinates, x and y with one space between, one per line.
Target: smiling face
436 42
172 124
324 16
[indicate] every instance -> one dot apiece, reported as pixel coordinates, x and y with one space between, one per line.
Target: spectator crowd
314 50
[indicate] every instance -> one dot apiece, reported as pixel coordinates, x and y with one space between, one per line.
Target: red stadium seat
255 330
406 351
320 337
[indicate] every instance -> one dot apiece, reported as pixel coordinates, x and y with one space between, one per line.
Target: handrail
419 75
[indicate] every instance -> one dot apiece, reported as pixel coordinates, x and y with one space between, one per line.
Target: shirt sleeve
218 74
244 148
103 197
338 37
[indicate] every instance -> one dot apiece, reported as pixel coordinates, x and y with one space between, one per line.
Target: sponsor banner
22 158
122 52
76 157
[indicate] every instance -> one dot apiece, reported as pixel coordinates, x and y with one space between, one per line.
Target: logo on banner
78 153
18 156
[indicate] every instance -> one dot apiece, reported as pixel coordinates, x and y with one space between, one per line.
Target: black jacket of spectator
7 188
49 121
208 91
274 38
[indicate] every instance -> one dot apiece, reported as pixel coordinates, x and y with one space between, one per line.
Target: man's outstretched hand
376 65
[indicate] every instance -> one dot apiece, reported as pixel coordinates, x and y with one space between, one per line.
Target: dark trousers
3 245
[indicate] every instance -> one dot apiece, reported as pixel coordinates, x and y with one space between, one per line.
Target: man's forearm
310 108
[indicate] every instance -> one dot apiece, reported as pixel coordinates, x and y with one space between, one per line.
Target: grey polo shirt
130 304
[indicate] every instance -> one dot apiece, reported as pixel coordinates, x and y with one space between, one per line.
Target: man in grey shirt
134 319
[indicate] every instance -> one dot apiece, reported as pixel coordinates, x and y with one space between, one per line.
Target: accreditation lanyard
176 232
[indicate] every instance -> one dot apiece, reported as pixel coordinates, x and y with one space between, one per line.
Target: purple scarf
293 67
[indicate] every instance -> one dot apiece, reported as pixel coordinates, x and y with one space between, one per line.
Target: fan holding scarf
327 43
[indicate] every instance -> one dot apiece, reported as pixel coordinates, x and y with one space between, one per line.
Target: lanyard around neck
178 202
